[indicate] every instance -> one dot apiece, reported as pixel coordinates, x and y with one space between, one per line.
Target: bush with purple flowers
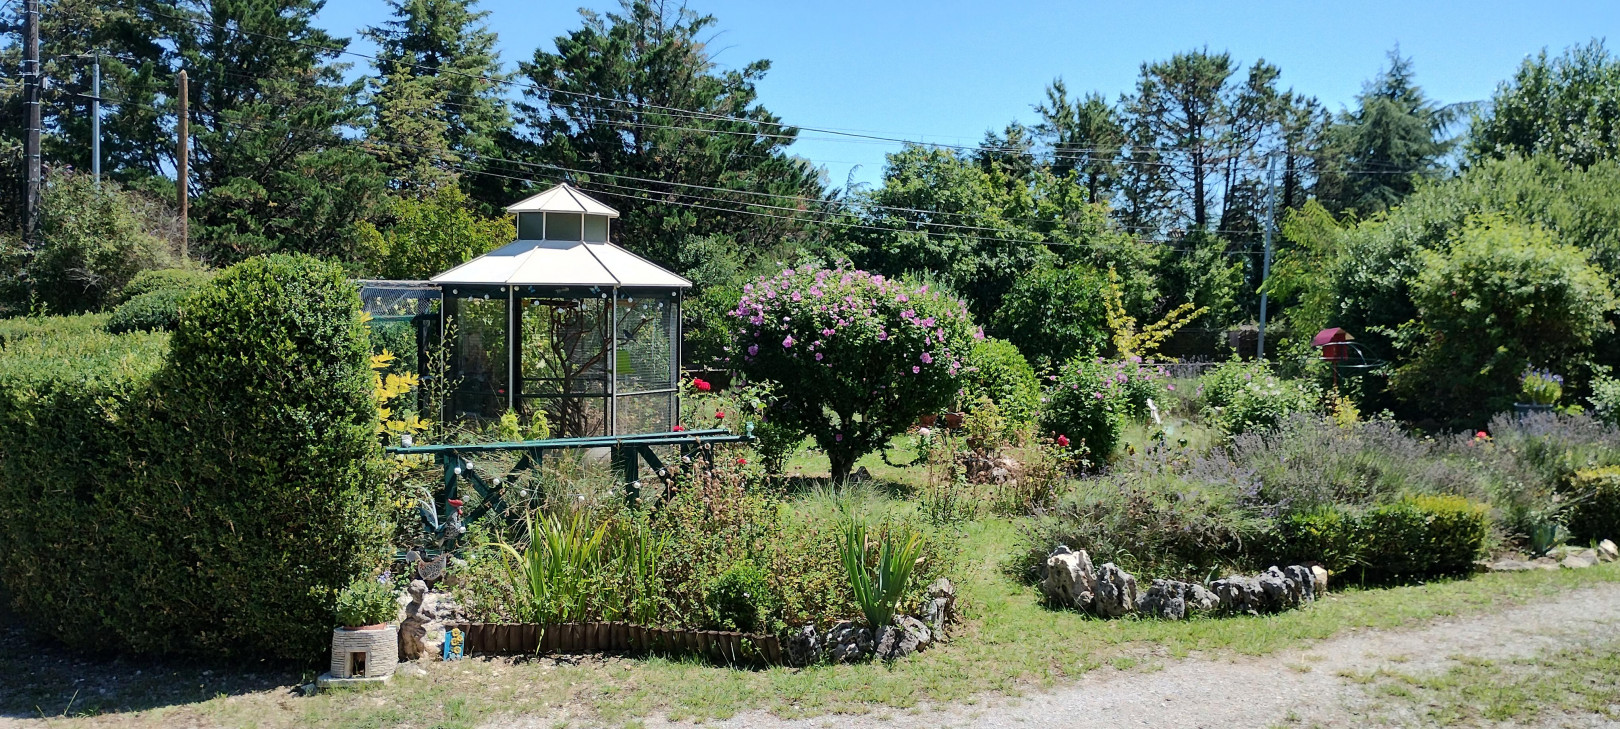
856 357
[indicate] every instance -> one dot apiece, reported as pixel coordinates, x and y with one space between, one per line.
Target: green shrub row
1414 536
1595 514
209 491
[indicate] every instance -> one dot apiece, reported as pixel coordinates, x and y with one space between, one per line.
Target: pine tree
636 94
1086 136
274 167
1378 151
439 74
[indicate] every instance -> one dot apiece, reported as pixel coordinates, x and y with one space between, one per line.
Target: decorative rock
1239 594
908 635
1201 600
803 647
941 608
1070 580
1607 551
1319 576
1165 599
1575 562
847 642
1510 565
1303 584
1116 591
1545 563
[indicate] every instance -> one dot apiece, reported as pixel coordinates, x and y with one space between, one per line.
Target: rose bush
855 357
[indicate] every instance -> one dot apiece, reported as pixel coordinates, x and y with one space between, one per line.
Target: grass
1009 644
1582 681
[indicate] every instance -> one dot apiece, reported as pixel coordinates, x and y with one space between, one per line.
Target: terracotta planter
954 420
927 421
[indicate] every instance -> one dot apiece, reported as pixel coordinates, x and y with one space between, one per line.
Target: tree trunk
842 463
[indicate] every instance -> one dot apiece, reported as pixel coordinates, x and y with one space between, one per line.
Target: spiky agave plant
878 592
552 575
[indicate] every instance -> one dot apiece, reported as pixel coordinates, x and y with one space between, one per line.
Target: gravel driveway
1306 686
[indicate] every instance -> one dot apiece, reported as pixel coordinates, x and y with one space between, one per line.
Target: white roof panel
561 263
562 199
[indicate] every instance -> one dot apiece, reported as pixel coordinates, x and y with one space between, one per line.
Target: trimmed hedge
1415 536
146 282
211 499
1596 513
154 311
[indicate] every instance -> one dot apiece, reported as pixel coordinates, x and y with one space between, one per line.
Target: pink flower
838 437
1063 440
1171 387
678 428
787 342
753 349
915 369
1098 395
926 358
818 356
883 336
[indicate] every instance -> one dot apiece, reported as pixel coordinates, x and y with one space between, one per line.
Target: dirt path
1304 686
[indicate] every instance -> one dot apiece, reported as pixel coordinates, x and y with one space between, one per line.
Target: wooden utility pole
32 162
182 166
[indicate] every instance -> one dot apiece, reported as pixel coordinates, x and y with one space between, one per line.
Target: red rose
719 415
678 428
742 461
1063 440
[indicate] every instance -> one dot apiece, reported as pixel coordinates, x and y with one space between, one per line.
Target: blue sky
947 71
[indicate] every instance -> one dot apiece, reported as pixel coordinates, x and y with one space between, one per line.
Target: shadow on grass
43 679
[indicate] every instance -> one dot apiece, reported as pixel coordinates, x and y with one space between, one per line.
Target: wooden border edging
572 638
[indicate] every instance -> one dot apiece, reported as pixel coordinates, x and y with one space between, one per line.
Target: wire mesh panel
569 416
647 330
480 357
652 412
397 298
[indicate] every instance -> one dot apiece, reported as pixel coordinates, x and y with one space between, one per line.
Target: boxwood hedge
210 491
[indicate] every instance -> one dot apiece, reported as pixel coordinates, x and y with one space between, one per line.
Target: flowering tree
856 357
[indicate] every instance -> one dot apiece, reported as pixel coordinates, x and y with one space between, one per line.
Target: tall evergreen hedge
211 496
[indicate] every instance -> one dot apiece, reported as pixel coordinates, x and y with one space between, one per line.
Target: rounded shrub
154 311
1413 536
1086 406
1247 396
997 370
740 599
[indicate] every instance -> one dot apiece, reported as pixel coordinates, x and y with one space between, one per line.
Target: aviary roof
562 199
561 263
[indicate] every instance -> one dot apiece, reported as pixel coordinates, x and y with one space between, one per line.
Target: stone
1575 562
1201 600
802 647
1116 592
1590 555
908 635
1274 589
1510 565
1239 595
847 642
1165 599
1320 575
1545 563
1302 583
941 608
1070 579
1607 551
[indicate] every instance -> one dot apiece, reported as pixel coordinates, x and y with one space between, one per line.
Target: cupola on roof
578 258
563 198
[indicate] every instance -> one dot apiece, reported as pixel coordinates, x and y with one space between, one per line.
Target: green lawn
1009 644
1583 682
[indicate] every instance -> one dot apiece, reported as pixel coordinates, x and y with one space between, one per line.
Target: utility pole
1265 260
32 161
95 121
182 166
